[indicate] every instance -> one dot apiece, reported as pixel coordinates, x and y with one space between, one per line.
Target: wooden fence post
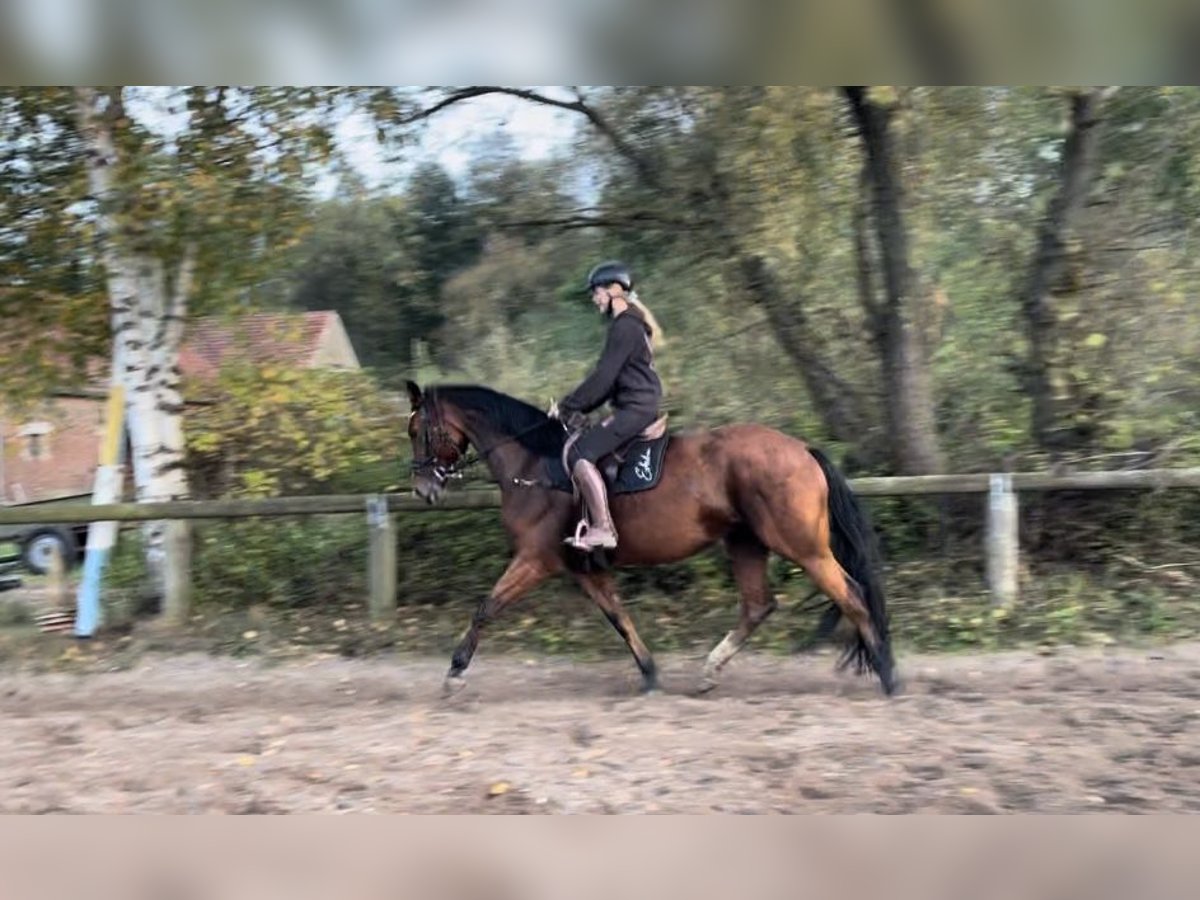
1003 540
177 543
381 563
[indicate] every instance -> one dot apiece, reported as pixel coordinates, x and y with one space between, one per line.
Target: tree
352 261
784 198
874 238
908 382
675 144
270 429
147 306
51 283
169 221
381 262
438 239
1051 274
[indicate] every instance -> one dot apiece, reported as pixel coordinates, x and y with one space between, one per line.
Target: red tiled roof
288 338
291 339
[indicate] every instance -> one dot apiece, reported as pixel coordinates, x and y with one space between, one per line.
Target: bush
280 562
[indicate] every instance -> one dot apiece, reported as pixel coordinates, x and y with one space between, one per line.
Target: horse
747 485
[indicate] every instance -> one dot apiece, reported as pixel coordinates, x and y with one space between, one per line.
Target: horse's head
438 443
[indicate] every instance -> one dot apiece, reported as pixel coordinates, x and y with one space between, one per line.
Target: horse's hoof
452 684
708 681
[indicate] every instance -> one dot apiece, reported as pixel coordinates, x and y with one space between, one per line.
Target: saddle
634 466
610 465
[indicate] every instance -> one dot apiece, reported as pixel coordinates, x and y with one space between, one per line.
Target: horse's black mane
526 424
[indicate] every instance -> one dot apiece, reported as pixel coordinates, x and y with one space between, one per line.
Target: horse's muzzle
428 490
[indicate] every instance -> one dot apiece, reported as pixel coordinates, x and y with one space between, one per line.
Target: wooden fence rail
1135 479
324 504
1001 546
332 504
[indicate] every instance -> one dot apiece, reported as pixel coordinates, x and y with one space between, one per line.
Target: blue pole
102 535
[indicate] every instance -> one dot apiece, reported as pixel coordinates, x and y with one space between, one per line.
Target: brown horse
754 488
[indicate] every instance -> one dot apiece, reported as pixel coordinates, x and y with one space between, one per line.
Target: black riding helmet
607 273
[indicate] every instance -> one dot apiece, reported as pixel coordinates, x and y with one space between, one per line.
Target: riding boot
598 531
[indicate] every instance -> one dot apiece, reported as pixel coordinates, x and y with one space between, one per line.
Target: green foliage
382 262
281 563
449 557
234 184
478 280
271 430
275 563
231 185
52 297
1061 607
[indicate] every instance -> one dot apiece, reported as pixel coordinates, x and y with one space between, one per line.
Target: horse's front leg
601 587
522 575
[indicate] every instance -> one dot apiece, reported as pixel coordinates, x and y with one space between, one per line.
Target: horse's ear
414 393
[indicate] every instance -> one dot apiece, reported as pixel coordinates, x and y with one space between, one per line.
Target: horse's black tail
855 548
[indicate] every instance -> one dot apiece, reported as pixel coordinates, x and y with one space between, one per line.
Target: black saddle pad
639 471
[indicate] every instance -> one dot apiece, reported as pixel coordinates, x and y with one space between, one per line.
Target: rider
626 378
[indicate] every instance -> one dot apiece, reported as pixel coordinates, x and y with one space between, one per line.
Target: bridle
443 459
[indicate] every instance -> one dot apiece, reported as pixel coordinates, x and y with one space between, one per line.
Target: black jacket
625 374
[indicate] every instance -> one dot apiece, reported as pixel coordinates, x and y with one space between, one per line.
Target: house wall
61 460
53 452
335 349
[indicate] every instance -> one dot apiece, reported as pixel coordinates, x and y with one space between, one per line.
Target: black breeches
600 440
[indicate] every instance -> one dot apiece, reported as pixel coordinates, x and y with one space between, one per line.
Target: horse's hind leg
522 575
601 587
831 580
748 556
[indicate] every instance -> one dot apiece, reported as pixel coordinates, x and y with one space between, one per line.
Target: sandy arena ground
1080 731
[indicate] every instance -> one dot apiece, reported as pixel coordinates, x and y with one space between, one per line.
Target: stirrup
579 540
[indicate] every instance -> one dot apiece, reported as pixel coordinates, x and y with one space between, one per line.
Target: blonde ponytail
656 338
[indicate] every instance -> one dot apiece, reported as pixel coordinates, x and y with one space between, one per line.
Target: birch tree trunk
147 326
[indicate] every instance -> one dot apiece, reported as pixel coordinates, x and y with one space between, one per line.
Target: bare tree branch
838 403
645 170
606 220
